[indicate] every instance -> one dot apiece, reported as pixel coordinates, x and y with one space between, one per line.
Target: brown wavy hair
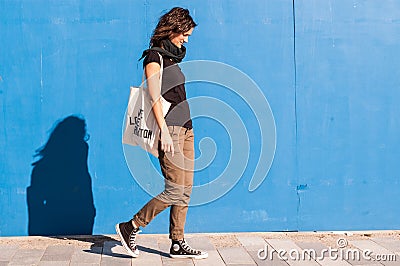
176 21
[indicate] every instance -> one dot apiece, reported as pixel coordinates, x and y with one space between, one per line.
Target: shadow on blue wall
60 197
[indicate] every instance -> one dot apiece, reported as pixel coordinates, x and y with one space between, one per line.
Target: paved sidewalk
310 248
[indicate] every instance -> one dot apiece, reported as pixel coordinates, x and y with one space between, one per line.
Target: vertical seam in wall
295 110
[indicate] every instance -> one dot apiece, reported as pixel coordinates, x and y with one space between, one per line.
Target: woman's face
180 38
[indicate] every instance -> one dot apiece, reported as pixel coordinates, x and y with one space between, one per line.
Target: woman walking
176 147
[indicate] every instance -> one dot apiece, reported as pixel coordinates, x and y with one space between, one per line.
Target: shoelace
188 248
132 239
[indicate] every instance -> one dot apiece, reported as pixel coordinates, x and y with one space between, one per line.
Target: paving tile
180 262
373 264
3 263
149 252
371 245
213 259
147 261
289 250
53 263
149 247
319 252
390 258
391 261
115 254
58 253
177 262
268 261
87 256
388 243
112 261
235 264
199 242
361 261
27 256
253 243
256 246
84 264
235 255
149 241
114 249
7 252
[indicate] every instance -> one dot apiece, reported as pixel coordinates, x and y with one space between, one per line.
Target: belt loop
186 130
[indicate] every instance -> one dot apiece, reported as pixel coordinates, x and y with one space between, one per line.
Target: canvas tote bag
141 128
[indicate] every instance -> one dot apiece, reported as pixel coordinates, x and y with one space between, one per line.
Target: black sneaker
181 249
128 233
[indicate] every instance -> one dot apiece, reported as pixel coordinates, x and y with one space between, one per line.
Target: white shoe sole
125 245
198 257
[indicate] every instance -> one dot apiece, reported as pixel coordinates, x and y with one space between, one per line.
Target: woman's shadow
60 197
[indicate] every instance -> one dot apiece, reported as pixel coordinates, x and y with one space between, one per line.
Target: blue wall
348 120
328 69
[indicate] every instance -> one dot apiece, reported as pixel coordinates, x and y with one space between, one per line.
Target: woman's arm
152 71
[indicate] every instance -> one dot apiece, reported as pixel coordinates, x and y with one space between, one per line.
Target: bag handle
161 70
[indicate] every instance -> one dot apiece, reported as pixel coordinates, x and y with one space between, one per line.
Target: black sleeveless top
173 90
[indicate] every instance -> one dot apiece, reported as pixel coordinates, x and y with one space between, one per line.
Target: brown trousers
178 176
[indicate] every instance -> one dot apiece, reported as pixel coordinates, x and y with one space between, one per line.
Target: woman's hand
166 142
